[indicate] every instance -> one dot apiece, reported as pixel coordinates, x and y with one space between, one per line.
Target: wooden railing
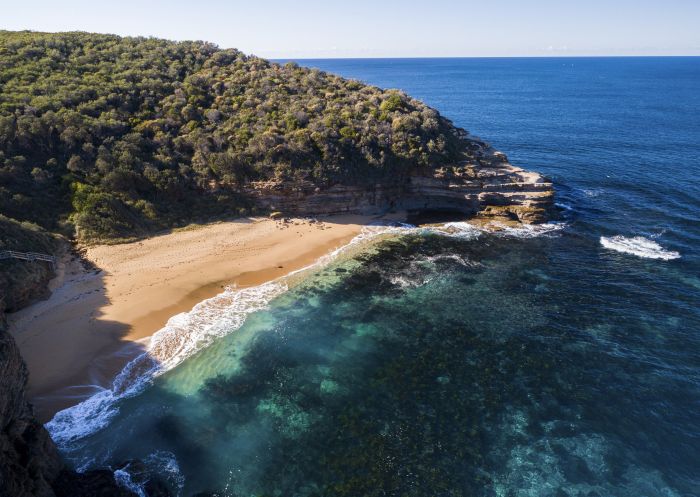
27 256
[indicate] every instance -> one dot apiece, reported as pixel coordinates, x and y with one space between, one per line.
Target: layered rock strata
485 184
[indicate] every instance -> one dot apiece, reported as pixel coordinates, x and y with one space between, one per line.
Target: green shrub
392 103
121 135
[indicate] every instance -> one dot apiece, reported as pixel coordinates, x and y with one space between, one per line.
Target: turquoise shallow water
564 364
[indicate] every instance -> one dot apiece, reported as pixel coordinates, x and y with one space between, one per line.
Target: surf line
189 332
184 335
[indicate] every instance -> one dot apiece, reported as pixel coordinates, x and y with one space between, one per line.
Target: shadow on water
430 367
72 355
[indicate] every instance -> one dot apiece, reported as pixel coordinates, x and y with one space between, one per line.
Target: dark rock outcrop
485 184
30 465
29 461
97 483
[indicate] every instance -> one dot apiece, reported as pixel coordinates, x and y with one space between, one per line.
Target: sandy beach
80 337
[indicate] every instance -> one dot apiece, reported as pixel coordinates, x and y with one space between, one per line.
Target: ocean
557 361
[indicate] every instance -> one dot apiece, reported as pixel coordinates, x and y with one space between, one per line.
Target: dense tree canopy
119 136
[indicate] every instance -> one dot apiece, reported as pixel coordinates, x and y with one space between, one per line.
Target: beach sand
84 334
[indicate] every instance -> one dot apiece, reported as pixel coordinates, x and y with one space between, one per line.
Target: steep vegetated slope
106 138
120 136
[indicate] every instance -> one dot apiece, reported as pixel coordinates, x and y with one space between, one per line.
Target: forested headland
111 138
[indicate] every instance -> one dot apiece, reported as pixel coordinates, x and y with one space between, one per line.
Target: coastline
98 318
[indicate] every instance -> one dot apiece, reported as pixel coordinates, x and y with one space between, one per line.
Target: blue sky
363 28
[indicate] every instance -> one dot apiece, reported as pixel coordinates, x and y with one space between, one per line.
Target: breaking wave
469 231
162 463
639 246
189 332
184 335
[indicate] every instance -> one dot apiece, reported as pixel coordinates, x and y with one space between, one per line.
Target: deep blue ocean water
564 364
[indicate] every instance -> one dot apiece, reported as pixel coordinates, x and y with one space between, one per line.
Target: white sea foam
161 463
469 231
123 478
165 465
183 335
458 229
639 246
564 205
452 257
189 332
593 192
403 282
531 230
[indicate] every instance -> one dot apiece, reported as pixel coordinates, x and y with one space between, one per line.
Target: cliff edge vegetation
118 137
104 138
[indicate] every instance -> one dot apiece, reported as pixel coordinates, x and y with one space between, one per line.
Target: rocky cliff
30 465
29 462
484 184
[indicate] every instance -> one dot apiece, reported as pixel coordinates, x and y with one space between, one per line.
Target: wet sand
83 335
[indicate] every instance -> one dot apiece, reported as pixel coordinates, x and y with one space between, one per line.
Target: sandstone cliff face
485 184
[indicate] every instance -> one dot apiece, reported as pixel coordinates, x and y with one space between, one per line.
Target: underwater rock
98 483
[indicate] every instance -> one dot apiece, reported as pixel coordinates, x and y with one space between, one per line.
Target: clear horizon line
545 54
418 57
